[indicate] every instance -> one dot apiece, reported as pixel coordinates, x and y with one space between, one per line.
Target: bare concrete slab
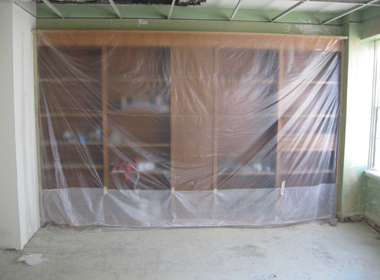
307 251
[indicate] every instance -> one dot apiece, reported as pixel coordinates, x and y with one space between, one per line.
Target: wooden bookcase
70 98
138 130
226 103
247 133
307 134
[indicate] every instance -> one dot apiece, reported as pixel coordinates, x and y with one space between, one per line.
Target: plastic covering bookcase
171 129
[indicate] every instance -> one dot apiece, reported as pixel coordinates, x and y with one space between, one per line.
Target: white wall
25 122
19 207
9 212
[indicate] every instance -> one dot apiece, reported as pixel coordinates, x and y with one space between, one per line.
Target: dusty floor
308 251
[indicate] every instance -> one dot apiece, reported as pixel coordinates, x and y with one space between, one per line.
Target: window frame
375 109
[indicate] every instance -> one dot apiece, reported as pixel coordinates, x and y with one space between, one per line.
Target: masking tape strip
282 187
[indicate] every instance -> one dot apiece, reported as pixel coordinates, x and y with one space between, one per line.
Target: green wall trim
371 28
369 13
187 25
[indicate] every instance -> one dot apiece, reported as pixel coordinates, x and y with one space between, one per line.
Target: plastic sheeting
160 129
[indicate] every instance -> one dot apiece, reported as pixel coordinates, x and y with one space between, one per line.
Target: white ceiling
280 5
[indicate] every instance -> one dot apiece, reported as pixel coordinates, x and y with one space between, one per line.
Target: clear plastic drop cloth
180 129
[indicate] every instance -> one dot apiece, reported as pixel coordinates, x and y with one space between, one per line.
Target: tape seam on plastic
282 187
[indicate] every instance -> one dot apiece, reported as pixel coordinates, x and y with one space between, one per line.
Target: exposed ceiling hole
130 2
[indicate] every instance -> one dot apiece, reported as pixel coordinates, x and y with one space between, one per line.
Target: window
374 155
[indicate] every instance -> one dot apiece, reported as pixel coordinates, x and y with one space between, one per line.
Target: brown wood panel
75 155
70 97
73 62
279 110
139 91
53 128
247 113
294 142
311 65
124 129
160 156
248 63
215 120
192 118
135 62
237 181
72 178
309 125
310 99
145 181
308 179
299 162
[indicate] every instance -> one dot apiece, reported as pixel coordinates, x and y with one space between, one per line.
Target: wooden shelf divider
105 119
281 67
73 166
139 112
97 80
215 120
248 80
247 173
137 78
308 172
319 142
312 82
89 143
140 145
75 115
310 116
164 172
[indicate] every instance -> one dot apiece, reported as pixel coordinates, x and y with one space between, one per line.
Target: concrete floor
307 251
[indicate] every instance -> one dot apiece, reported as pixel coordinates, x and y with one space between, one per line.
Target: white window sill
373 173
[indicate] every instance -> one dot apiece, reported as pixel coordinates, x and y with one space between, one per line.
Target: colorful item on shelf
82 136
145 166
126 102
115 138
68 136
121 165
95 136
142 105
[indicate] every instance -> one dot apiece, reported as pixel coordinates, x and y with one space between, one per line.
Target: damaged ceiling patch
130 2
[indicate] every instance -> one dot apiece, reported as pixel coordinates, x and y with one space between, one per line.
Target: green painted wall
369 13
372 200
357 80
359 194
371 28
371 192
